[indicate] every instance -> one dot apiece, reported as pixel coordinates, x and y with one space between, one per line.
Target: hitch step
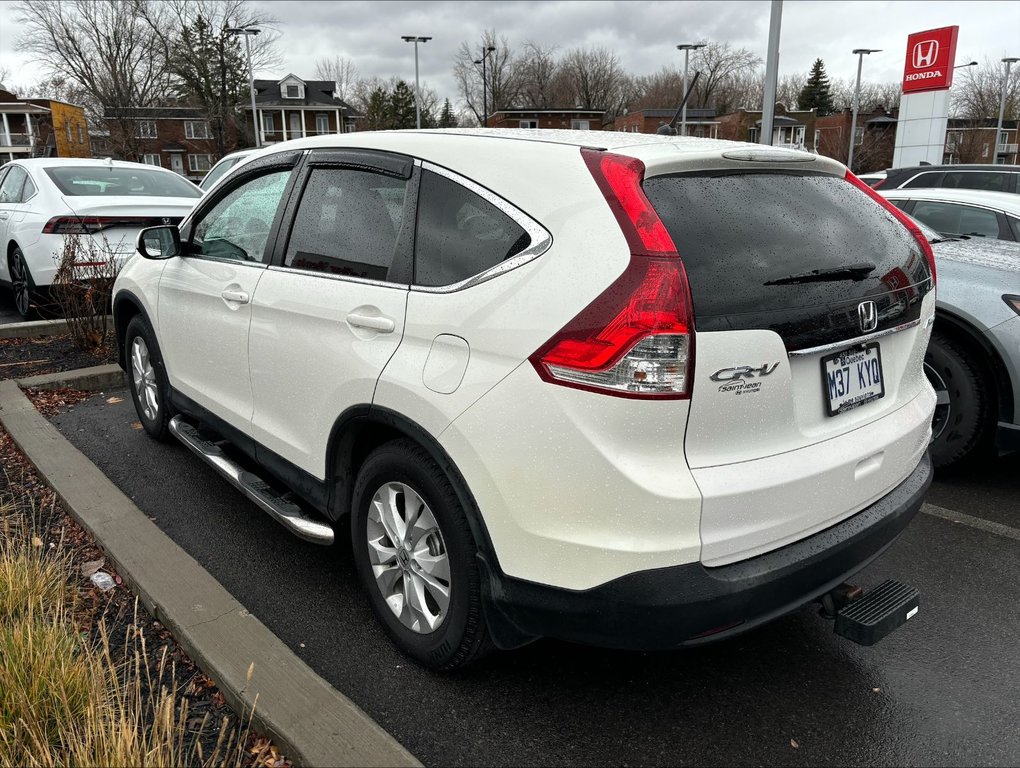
867 620
282 509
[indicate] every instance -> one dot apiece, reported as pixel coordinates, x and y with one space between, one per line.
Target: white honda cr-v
635 391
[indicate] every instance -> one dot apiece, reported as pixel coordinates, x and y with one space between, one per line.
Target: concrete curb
94 379
314 724
36 328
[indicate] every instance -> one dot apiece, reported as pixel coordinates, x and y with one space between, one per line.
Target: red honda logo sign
929 60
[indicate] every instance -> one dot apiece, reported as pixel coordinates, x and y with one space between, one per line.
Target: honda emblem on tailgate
925 53
867 313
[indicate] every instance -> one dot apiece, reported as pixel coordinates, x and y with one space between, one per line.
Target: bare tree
718 63
659 90
543 81
977 92
788 90
597 80
341 71
885 95
501 74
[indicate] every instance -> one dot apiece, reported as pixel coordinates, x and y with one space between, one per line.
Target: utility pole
1002 108
859 53
248 32
768 109
417 88
686 48
486 50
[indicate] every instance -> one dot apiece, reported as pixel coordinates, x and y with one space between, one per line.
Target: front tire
415 557
147 378
960 425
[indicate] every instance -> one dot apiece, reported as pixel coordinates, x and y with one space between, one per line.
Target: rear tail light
1013 302
901 217
636 339
89 225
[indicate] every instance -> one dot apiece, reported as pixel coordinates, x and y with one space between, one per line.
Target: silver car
973 359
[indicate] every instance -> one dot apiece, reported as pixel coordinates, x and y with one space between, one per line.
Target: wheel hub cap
408 557
943 407
144 377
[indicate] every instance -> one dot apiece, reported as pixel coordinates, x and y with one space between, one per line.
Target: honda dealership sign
924 107
929 60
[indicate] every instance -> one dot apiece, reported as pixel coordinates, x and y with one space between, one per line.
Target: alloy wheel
19 284
144 376
408 557
943 407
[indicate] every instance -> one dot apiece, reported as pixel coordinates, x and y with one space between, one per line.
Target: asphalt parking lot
939 691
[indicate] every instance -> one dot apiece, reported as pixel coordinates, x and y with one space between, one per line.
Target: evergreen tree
376 113
446 118
816 91
401 106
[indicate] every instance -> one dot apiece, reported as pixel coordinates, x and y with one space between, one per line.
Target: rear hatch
811 304
114 222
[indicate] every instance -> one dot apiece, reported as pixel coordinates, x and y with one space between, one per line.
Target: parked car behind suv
45 200
962 212
989 178
636 391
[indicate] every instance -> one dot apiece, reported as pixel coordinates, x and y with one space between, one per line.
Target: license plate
852 378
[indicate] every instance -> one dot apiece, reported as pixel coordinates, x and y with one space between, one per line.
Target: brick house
41 128
970 141
700 122
178 138
794 129
873 144
576 119
293 108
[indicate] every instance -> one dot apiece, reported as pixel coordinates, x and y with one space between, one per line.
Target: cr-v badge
735 378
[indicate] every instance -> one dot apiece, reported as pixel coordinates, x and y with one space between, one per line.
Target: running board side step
284 511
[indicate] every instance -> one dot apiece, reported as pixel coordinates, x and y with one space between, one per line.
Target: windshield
218 170
120 181
929 234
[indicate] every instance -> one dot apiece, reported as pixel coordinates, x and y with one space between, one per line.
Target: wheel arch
988 357
125 306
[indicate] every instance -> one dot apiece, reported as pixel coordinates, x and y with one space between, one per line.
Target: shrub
83 288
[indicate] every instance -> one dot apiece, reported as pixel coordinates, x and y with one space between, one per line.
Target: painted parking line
974 522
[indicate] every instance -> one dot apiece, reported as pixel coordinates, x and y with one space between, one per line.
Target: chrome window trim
342 278
947 170
541 240
838 345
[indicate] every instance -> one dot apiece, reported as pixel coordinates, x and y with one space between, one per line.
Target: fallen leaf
87 569
136 425
794 744
876 690
114 400
36 541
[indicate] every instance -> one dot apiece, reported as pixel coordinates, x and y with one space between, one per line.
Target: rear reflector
88 225
901 217
636 339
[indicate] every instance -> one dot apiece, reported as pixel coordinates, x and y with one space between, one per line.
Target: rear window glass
761 247
120 181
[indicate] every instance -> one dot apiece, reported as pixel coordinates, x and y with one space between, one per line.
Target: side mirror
159 242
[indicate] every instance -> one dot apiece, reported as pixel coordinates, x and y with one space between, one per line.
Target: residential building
293 108
700 122
178 138
970 141
41 128
558 117
874 140
794 129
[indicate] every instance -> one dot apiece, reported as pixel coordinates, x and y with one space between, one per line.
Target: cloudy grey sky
642 33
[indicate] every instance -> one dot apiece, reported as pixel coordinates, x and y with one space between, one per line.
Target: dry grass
67 698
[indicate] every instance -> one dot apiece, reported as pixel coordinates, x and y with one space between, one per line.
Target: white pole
1002 110
683 112
768 109
417 89
251 88
853 120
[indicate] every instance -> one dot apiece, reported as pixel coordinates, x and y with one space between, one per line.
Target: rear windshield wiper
850 272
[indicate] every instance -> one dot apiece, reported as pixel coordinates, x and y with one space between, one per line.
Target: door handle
381 324
239 297
4 215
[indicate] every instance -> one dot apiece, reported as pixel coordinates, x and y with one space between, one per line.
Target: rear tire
424 587
960 424
22 285
147 378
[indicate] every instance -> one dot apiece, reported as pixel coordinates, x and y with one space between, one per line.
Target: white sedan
961 212
43 200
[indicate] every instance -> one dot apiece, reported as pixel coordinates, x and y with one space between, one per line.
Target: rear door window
988 180
956 219
348 223
10 189
460 234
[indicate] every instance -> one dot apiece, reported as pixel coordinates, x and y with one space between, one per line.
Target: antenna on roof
670 128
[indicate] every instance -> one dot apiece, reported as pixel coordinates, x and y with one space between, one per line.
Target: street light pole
417 88
1002 107
859 53
485 112
686 48
248 32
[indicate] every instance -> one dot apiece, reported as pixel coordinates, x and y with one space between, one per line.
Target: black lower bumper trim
692 604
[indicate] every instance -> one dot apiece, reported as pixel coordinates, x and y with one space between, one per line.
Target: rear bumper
688 604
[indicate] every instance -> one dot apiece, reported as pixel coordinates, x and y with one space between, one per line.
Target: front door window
238 226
